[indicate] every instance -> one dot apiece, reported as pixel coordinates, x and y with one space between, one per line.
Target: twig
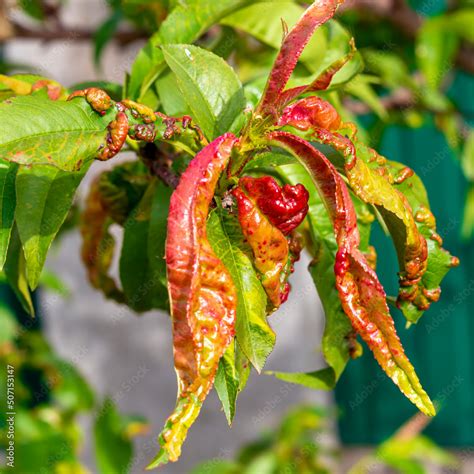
159 164
61 33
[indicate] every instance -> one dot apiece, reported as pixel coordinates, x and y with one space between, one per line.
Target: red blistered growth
202 294
98 99
309 113
116 136
53 89
285 207
269 245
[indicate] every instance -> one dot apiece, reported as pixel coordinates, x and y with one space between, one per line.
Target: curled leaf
202 293
362 296
269 246
98 244
293 44
373 186
285 207
372 180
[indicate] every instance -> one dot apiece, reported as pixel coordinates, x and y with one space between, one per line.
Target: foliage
245 166
49 396
299 445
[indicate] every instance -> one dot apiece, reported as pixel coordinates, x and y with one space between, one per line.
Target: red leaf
293 44
310 113
362 296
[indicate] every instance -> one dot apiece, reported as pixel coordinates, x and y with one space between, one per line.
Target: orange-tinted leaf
293 44
270 247
202 293
362 295
98 245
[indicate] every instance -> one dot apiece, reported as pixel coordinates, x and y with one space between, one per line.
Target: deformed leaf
362 296
98 245
202 294
338 343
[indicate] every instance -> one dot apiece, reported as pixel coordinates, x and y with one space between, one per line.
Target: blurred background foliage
410 88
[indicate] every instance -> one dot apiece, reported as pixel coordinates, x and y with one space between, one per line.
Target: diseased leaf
362 295
254 335
98 245
440 261
373 183
36 130
7 202
213 104
202 295
44 197
291 49
338 343
15 271
270 247
142 263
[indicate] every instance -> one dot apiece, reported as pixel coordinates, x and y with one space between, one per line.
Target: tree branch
60 33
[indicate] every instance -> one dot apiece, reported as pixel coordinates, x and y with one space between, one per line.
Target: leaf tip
161 458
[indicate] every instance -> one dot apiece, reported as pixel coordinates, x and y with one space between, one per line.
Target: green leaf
7 202
142 264
226 382
36 130
214 104
467 159
216 467
72 392
461 21
171 98
389 67
9 327
33 8
44 197
184 24
113 450
436 46
323 379
15 271
254 335
361 87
